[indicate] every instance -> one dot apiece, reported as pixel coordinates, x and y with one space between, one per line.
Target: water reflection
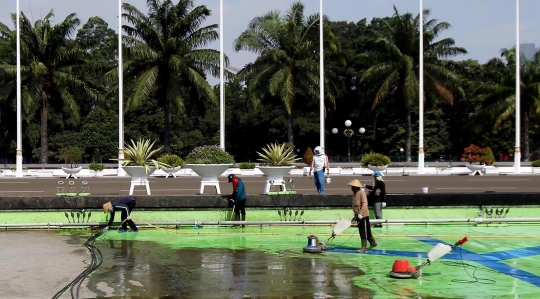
147 269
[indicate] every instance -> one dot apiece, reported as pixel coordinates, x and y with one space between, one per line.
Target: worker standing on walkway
238 197
361 215
125 205
378 195
319 164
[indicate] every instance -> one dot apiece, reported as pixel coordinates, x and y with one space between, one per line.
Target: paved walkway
44 187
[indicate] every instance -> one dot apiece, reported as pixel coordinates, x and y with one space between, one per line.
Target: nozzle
461 242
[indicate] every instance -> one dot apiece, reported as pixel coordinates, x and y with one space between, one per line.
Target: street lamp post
349 132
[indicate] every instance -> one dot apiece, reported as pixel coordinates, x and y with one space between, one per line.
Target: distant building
527 50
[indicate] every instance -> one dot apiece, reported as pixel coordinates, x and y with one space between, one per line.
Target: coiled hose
96 260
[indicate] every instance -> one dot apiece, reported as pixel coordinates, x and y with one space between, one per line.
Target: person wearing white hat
361 215
378 196
319 164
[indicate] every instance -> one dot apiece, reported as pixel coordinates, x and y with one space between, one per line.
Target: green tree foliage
499 98
393 63
71 155
100 135
51 71
288 65
167 58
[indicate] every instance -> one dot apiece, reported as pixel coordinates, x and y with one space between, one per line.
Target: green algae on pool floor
269 262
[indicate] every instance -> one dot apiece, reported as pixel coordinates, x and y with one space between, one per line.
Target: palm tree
166 56
394 63
51 68
288 64
499 98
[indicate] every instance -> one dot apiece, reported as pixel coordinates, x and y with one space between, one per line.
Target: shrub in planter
140 153
209 154
476 154
247 165
275 154
71 155
308 156
535 163
96 166
172 160
375 159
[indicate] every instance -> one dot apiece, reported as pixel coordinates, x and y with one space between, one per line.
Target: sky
482 27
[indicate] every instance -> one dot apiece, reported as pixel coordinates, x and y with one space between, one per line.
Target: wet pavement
496 262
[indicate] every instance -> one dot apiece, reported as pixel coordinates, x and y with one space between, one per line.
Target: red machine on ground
402 268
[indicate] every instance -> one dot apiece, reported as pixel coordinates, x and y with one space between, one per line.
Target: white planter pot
171 171
377 168
536 169
275 172
138 171
209 174
139 177
476 168
274 176
71 172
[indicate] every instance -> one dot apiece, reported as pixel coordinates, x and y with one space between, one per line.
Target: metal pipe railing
279 223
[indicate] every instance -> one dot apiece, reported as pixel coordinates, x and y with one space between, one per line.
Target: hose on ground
96 260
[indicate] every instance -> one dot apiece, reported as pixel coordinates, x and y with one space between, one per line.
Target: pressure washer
402 268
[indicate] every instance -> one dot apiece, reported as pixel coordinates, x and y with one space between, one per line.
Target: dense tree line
70 86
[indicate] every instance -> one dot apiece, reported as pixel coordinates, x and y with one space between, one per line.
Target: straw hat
107 207
355 183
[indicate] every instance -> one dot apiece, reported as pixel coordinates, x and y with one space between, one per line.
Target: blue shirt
240 192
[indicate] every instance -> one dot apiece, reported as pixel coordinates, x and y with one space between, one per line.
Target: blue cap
377 174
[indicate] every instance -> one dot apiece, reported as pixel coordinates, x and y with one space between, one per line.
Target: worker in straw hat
361 215
125 205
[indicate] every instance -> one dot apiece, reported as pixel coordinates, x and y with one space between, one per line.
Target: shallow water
496 262
147 269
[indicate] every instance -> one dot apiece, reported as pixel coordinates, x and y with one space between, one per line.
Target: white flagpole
120 172
421 94
19 158
221 81
321 75
517 151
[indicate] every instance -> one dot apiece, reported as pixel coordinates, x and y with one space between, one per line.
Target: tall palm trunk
290 132
167 124
44 149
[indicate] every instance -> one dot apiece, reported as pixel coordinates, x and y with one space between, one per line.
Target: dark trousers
129 222
364 228
240 207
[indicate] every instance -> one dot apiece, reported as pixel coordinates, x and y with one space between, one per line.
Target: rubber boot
363 249
372 243
236 218
243 219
